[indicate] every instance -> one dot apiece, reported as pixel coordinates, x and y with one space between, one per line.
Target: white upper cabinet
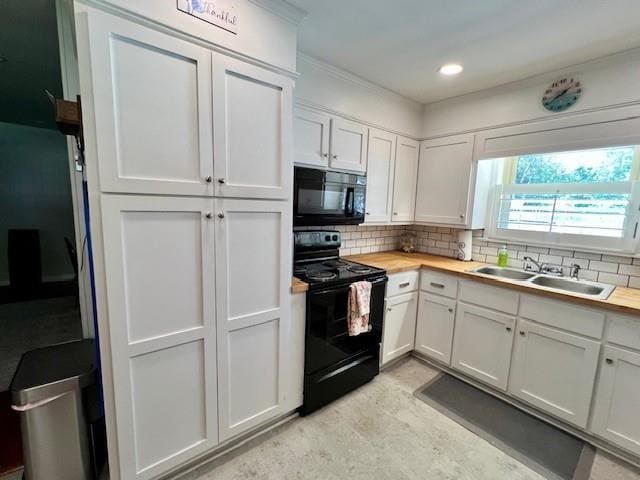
152 104
253 248
444 180
311 137
252 131
405 179
554 370
380 169
615 413
348 145
159 256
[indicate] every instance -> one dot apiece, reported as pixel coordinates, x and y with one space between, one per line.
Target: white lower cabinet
399 326
482 344
434 328
159 257
252 310
615 413
554 371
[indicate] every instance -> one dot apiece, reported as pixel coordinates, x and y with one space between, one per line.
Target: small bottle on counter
503 256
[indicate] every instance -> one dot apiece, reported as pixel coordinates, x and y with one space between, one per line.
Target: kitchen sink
582 287
509 273
586 288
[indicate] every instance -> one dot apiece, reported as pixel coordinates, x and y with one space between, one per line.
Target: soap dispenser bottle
503 256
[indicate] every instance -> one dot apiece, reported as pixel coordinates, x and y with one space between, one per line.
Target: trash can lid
53 370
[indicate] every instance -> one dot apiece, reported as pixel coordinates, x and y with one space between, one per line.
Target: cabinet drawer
404 282
562 315
624 330
495 298
440 283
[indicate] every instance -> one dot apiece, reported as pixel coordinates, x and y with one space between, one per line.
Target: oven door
327 341
327 198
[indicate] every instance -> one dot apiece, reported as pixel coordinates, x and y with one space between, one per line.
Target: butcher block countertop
623 300
298 286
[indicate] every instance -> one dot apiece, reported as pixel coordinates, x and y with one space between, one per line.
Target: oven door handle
339 289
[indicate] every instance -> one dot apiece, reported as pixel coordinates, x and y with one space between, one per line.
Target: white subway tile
616 259
588 255
603 267
630 270
613 279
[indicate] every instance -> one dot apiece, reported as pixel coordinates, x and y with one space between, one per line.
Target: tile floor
381 431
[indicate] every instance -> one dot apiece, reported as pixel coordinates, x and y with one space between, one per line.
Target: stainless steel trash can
47 390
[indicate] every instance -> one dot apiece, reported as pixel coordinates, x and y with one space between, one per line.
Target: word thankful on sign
220 13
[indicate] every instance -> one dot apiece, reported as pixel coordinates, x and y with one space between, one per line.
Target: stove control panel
317 239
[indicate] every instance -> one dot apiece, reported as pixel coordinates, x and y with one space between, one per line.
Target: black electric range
335 363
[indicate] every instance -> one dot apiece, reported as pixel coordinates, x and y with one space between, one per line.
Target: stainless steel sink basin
509 273
582 287
586 288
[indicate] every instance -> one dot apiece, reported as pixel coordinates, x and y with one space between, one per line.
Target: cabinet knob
608 360
335 157
325 155
509 329
208 215
221 181
221 215
395 213
208 179
450 310
367 213
388 309
522 333
462 215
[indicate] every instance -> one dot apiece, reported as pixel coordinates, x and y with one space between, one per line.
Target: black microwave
322 197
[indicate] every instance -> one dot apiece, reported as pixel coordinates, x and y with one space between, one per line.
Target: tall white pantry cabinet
189 171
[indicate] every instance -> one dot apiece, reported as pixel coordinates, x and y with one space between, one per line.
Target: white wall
35 193
261 35
325 86
607 82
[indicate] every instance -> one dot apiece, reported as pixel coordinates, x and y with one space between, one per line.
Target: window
579 198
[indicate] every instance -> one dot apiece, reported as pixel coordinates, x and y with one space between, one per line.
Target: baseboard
226 451
583 435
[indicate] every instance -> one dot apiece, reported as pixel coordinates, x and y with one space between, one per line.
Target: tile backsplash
612 269
359 239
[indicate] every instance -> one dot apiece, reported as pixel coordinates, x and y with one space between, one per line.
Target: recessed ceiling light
450 69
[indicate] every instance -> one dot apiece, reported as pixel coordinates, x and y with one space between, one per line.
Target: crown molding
283 9
354 79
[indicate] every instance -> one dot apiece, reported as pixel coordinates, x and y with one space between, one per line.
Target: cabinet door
348 145
615 413
434 330
554 371
159 270
253 251
404 180
311 138
399 326
380 167
444 175
482 343
152 108
252 131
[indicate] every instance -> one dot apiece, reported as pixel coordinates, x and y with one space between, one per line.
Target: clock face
561 94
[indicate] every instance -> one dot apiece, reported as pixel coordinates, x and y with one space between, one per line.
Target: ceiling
29 40
400 44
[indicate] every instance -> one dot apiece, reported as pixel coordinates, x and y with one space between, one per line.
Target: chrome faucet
527 264
544 268
574 271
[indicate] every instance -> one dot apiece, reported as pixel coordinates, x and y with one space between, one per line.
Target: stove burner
359 269
299 270
335 263
321 276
